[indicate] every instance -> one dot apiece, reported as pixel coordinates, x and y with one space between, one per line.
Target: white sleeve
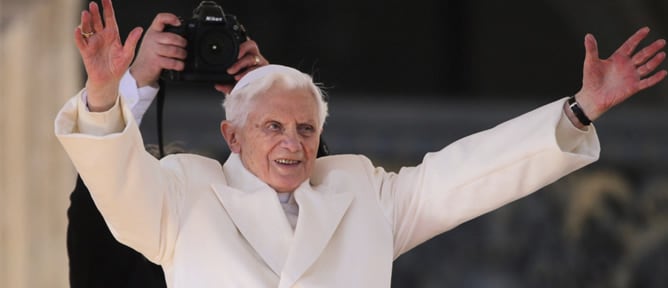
138 99
126 182
482 172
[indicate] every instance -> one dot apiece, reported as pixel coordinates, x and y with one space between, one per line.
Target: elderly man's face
279 141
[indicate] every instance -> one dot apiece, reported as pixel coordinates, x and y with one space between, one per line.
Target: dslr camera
213 45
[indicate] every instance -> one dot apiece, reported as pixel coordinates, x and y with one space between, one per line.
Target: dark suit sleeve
96 259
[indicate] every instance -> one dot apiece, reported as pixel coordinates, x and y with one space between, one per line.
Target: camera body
213 45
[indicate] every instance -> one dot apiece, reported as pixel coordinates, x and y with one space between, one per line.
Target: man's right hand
159 50
104 56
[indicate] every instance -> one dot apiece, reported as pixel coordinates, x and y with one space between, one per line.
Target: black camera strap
161 104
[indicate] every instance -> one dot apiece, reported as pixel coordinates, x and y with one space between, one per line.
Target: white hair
238 104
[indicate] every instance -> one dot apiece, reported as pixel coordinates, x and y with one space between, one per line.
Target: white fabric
290 207
138 99
213 226
260 72
284 197
291 211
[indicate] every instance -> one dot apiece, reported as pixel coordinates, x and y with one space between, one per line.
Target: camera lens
214 48
217 48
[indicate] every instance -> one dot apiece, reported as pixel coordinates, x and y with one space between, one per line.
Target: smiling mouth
287 162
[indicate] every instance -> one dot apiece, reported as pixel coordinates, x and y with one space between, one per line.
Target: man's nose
291 141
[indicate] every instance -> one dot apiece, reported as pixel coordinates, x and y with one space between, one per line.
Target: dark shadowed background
408 77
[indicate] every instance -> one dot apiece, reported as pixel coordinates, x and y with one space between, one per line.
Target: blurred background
403 78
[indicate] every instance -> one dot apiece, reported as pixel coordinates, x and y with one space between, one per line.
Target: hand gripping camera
213 45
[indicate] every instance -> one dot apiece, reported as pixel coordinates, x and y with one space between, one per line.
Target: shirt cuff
569 136
138 99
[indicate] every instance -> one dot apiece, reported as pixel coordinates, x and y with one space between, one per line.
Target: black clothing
96 259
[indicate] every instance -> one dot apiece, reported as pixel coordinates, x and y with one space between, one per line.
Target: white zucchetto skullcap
261 72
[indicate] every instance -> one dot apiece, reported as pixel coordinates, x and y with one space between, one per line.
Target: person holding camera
275 216
96 259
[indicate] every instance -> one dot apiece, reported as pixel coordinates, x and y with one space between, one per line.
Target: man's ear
230 134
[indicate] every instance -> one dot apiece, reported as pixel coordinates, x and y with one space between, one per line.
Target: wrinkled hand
249 58
104 56
608 82
159 50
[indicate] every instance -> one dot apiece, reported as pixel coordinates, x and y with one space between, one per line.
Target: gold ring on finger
87 35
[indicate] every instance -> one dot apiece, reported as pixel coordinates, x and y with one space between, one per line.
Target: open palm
104 56
608 82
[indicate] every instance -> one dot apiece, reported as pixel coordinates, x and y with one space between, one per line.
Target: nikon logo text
214 19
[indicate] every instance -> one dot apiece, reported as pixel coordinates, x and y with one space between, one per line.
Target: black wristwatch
575 107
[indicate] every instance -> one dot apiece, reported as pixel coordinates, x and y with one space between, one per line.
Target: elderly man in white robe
275 216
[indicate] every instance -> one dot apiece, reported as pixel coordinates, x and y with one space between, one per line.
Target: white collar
238 177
